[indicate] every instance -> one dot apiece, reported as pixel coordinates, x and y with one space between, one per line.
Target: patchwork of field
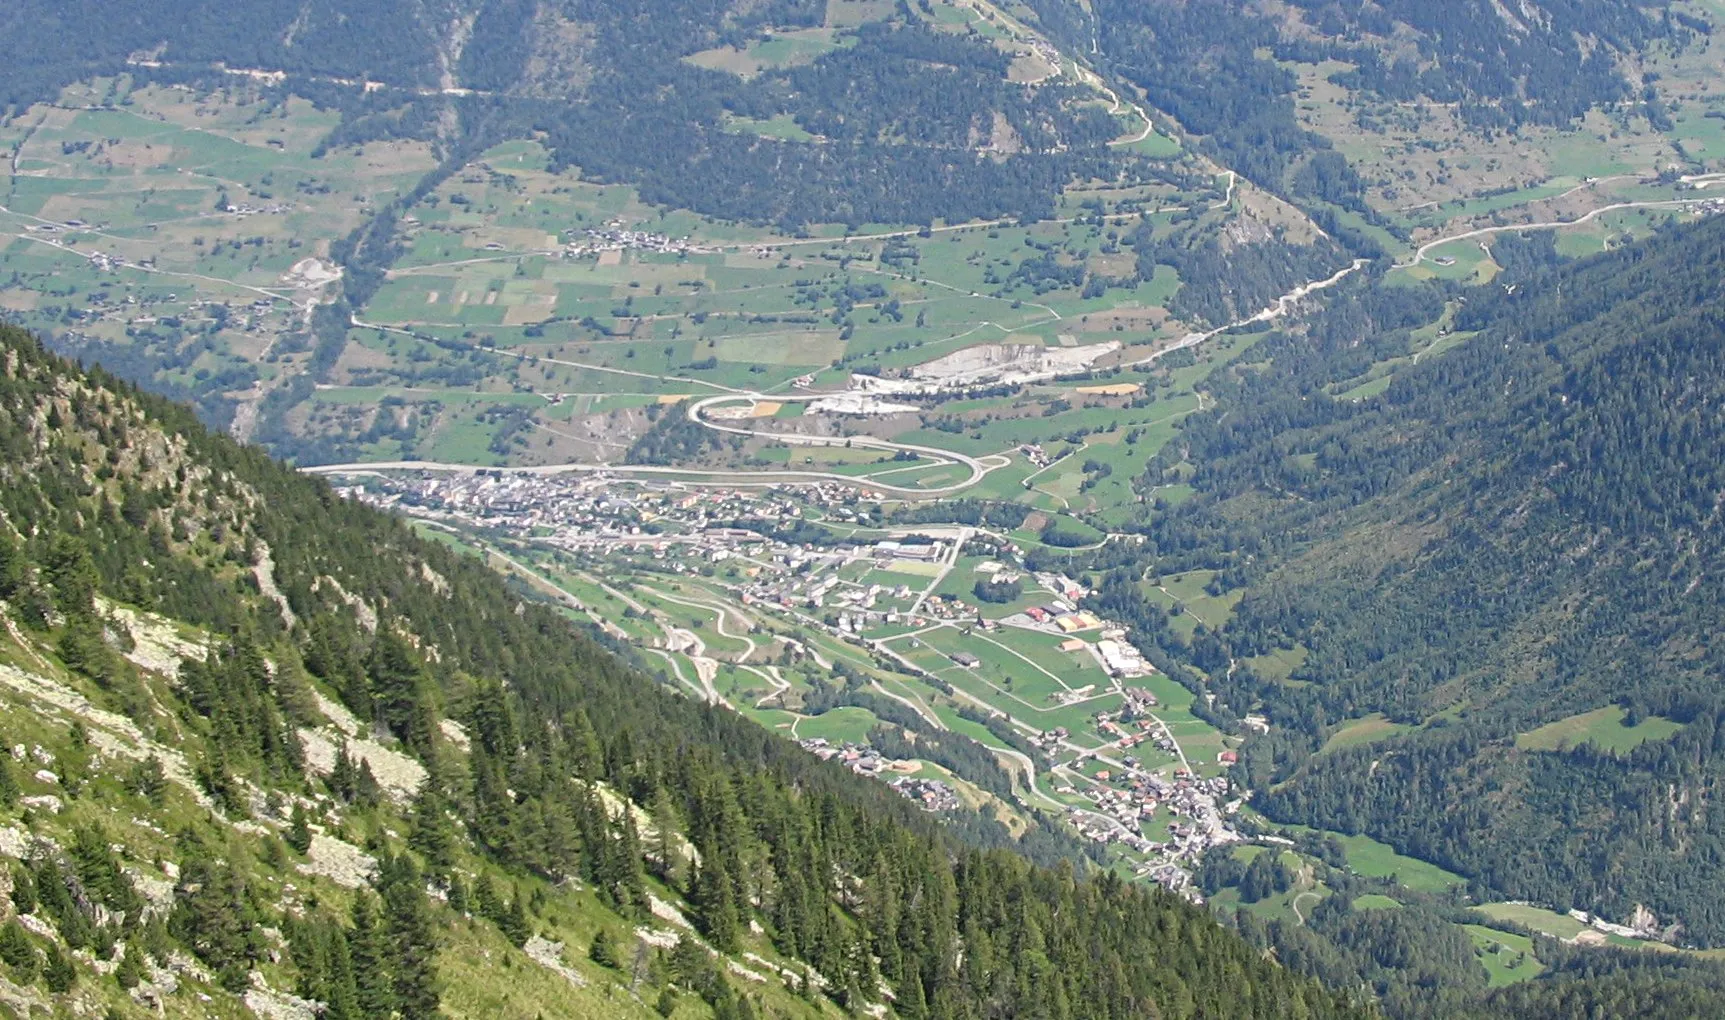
179 233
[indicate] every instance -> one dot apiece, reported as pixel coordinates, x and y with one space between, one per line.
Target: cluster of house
1035 454
1121 658
932 794
680 528
1124 803
859 758
864 760
574 510
244 209
615 238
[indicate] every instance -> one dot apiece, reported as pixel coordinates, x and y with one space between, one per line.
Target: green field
1507 957
1537 918
1603 728
839 726
1367 730
1368 857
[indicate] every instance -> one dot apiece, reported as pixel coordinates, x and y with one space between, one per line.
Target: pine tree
400 693
585 751
9 790
432 835
340 986
18 952
71 573
299 830
514 923
375 994
412 940
131 969
620 876
666 853
367 791
213 915
148 780
716 907
603 951
59 972
343 776
12 564
486 899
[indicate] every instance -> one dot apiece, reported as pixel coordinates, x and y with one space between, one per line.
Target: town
934 615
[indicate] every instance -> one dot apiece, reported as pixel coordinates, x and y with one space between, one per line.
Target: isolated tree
603 951
299 830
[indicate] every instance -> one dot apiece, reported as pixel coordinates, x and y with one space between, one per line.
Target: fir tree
603 951
375 994
131 968
59 972
514 923
18 952
71 573
411 937
715 905
340 986
9 790
432 835
12 564
299 830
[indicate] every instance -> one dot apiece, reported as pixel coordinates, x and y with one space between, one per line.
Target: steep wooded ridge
900 111
1516 532
266 678
909 124
1220 67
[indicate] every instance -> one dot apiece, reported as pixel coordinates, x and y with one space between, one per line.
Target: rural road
702 476
976 467
1283 306
1671 203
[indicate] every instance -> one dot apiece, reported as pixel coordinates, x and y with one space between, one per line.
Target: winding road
1671 203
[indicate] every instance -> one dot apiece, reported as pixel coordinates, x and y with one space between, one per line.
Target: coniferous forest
1538 502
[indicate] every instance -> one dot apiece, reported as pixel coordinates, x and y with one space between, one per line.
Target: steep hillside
894 110
1510 552
1350 109
267 742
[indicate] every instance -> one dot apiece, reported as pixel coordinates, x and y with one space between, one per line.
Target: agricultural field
1426 171
1372 859
524 280
1507 957
528 315
1359 732
1605 728
185 236
1563 926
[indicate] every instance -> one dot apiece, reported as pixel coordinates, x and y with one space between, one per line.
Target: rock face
549 954
992 365
270 1004
1643 920
399 775
341 862
1001 360
114 735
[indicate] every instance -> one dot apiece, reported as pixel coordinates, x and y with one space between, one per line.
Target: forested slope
1226 70
1515 532
543 764
903 114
